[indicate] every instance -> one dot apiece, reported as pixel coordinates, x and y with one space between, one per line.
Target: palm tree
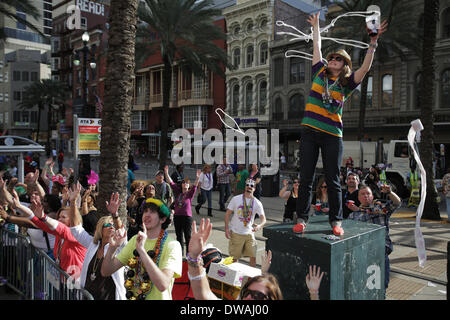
186 32
116 115
403 34
430 18
8 9
45 93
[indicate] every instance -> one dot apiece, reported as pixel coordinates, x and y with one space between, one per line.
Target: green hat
162 207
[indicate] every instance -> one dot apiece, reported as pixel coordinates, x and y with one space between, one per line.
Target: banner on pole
88 135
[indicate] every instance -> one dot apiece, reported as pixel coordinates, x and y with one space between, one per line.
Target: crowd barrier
31 273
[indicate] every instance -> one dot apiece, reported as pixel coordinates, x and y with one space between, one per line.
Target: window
20 25
16 75
369 91
418 88
263 23
34 116
445 89
16 116
387 91
237 57
249 56
248 98
235 99
356 95
25 76
296 106
297 73
191 114
16 95
278 110
263 53
139 120
278 72
1 97
83 22
446 23
6 97
236 31
262 97
250 26
26 117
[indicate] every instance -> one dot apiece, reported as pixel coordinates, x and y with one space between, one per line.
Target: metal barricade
33 274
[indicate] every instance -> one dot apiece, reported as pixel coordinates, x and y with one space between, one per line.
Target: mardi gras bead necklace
247 211
137 277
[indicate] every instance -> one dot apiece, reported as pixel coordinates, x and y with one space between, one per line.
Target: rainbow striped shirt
316 115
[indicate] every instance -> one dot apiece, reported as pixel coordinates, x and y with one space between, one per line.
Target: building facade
23 59
67 47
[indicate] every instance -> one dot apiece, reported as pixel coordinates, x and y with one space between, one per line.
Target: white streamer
414 131
239 130
299 35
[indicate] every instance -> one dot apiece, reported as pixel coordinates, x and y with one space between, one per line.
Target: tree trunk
167 81
431 16
49 127
362 108
116 116
39 122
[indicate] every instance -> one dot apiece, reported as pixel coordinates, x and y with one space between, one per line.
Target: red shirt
71 254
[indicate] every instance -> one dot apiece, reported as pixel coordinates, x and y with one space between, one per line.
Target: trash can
270 185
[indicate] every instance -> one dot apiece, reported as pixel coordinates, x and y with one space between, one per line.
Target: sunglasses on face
250 185
108 225
323 187
256 295
337 58
296 181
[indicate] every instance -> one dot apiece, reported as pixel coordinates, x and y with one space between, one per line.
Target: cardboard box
232 274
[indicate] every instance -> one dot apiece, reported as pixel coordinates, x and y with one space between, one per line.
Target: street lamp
86 110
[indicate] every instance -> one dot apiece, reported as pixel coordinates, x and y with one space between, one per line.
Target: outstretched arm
368 59
317 41
196 272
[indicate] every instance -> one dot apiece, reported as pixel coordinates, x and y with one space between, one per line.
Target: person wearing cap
153 257
240 224
163 191
321 127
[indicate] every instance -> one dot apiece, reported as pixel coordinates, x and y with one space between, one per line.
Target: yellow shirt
171 258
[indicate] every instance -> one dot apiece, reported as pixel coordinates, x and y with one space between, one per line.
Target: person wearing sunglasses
240 224
101 288
263 287
321 128
321 207
290 196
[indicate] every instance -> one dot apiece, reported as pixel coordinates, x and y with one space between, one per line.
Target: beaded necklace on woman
139 279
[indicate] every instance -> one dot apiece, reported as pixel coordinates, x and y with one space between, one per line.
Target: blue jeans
225 192
331 147
206 194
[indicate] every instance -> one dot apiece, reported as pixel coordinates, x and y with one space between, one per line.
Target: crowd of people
136 258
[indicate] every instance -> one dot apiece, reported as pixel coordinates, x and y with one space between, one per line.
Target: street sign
88 135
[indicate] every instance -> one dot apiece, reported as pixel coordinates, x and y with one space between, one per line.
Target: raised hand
114 203
141 238
75 192
37 207
118 238
313 278
266 260
198 173
382 29
314 19
199 238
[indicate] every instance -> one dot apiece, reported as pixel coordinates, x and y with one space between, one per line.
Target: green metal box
353 265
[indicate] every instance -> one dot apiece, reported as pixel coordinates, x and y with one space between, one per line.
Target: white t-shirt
38 240
206 180
237 218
